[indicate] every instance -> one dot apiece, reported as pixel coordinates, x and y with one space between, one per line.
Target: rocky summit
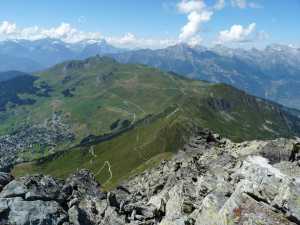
211 181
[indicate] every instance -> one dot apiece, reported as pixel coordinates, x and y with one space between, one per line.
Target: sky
154 23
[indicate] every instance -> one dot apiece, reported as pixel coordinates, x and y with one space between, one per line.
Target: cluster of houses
33 139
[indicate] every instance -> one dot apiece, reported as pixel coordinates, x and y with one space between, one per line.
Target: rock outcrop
210 182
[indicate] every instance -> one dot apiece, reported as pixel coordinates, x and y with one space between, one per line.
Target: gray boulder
83 183
5 178
19 212
88 211
34 188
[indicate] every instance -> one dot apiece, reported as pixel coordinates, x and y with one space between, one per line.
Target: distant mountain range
10 75
272 73
29 56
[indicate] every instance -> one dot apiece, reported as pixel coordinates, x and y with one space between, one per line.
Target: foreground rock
210 182
4 179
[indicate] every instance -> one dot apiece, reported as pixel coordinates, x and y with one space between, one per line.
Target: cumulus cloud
128 38
242 4
7 28
237 33
64 32
69 34
195 19
197 14
187 6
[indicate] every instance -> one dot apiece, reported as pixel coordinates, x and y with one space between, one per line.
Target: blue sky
155 23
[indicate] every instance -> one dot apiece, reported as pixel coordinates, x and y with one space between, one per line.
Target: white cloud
195 19
7 28
242 4
64 32
69 34
128 38
197 14
186 6
237 33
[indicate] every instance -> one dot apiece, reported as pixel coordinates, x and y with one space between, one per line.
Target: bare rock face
32 200
212 181
17 211
295 154
5 178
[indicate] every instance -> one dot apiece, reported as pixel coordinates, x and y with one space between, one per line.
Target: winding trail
106 163
109 170
172 113
92 152
139 147
136 105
